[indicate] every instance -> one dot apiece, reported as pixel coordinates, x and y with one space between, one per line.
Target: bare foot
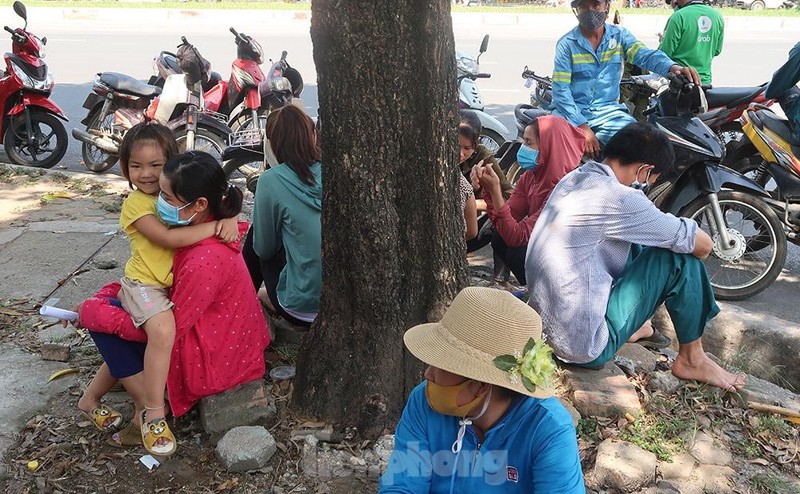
647 330
707 371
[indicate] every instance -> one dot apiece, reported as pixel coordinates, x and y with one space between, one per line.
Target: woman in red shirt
221 333
551 148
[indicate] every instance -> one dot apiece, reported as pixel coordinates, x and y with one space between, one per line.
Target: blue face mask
526 157
169 214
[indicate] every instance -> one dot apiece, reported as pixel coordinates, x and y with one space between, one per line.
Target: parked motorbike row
718 134
201 108
748 224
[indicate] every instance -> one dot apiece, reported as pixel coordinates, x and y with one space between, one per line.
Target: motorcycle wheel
204 140
757 258
94 158
49 146
491 139
239 171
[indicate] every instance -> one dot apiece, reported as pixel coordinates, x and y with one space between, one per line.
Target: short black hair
640 142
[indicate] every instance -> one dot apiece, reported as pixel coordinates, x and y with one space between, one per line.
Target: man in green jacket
693 36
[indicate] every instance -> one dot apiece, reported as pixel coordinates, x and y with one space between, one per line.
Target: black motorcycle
749 241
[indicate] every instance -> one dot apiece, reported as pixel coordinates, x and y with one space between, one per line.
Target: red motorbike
32 133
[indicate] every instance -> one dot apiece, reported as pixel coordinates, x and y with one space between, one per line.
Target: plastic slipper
656 340
153 431
130 435
101 415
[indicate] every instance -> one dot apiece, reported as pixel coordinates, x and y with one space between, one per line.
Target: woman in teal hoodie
286 233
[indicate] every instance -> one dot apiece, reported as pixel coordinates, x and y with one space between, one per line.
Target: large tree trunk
393 249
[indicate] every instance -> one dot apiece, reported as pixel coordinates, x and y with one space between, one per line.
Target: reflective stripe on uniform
633 50
562 77
579 58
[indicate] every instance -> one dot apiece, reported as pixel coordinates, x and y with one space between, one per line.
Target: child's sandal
103 417
153 431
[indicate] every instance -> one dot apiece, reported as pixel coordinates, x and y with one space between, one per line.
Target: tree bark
393 247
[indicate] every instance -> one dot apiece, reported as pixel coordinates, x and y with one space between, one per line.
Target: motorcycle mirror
484 44
44 40
19 8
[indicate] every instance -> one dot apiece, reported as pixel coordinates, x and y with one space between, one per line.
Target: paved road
78 49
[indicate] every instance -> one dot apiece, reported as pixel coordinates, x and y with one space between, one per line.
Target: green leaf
505 362
528 346
528 384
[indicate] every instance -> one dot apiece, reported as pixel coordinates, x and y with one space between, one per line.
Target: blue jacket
532 449
585 81
783 79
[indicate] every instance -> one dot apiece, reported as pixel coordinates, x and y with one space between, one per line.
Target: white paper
149 462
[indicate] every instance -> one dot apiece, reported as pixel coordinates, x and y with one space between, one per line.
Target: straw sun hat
480 325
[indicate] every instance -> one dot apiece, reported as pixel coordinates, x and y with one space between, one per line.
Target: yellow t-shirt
150 264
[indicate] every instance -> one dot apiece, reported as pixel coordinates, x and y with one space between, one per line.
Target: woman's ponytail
231 204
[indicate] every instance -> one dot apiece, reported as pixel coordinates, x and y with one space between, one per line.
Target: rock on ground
679 469
250 403
246 448
709 478
623 466
709 451
605 392
664 381
644 359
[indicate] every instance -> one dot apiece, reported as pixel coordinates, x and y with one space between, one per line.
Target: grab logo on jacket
704 24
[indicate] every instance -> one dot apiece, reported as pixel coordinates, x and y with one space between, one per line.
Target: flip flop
153 431
657 340
129 436
100 415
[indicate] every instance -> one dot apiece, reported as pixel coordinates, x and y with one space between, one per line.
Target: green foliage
768 483
773 424
746 447
587 429
662 435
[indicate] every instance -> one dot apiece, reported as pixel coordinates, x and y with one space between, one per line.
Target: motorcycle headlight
42 51
280 84
468 65
31 83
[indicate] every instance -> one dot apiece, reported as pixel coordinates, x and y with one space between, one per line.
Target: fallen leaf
84 424
52 196
311 425
62 373
281 447
228 484
759 461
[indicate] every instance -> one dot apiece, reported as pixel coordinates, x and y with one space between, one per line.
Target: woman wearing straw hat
485 419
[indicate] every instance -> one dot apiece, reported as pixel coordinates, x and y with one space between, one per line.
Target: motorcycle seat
731 96
525 114
780 126
127 84
243 153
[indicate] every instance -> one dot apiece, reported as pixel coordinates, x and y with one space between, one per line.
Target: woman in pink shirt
551 148
220 332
